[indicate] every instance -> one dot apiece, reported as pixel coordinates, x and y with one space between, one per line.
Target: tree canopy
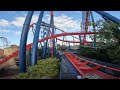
109 51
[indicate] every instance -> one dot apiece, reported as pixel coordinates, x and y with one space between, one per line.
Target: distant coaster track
45 24
4 40
42 40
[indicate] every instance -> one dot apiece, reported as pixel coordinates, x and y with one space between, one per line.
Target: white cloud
5 31
10 31
18 21
14 12
88 38
65 22
30 33
34 18
4 22
78 11
17 32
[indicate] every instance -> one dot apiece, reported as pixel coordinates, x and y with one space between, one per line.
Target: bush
109 54
114 55
98 54
45 67
21 76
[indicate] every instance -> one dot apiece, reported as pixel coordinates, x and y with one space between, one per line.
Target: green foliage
21 76
58 46
112 40
98 54
112 32
114 54
110 50
39 54
45 67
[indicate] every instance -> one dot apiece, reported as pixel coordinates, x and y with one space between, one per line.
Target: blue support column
63 40
49 27
69 46
45 45
108 16
56 40
80 40
35 40
48 33
29 59
53 40
23 40
94 45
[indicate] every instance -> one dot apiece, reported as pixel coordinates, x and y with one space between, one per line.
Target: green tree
111 38
109 48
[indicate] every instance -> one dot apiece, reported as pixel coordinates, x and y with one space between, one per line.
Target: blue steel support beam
56 40
45 48
80 40
35 40
108 16
46 44
29 59
94 45
53 40
63 40
23 40
55 49
69 46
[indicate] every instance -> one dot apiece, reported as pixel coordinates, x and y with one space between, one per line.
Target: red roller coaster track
83 69
42 40
76 41
56 28
72 41
71 57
